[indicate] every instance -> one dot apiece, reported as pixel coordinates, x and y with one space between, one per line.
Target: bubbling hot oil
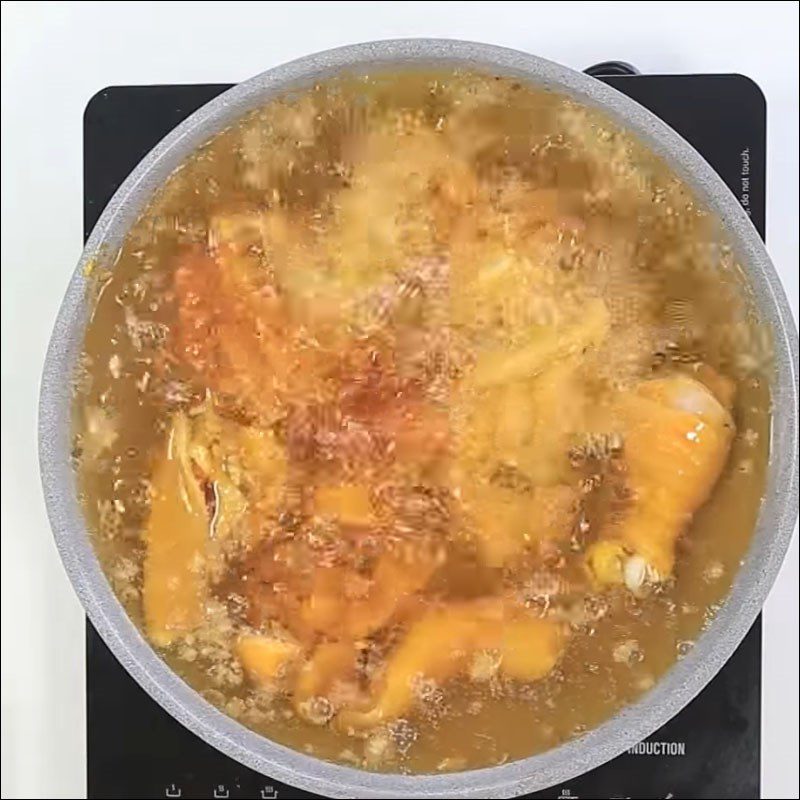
449 220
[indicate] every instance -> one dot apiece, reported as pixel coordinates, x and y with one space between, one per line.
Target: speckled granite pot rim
684 680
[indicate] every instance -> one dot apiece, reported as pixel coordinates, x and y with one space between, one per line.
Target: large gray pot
775 523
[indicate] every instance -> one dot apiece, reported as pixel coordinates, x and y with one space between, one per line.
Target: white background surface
55 56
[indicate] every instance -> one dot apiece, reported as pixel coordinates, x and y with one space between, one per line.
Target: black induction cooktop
710 750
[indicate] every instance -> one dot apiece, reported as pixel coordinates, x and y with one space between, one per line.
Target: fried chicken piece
677 436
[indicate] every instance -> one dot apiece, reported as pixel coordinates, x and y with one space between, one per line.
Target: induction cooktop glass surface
711 749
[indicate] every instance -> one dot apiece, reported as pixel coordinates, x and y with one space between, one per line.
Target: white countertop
55 56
